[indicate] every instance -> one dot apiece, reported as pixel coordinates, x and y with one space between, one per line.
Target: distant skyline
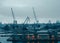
45 10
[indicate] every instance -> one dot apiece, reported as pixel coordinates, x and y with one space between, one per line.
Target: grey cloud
23 8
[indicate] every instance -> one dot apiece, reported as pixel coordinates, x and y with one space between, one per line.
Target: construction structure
14 20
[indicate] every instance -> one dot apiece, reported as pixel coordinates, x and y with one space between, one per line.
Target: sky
45 10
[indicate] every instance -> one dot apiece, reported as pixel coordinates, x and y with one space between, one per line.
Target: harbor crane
25 23
35 16
37 21
6 27
27 20
14 21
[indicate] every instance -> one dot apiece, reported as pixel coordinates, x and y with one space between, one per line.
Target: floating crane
14 21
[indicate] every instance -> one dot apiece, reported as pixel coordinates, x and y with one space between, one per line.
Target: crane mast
14 21
35 16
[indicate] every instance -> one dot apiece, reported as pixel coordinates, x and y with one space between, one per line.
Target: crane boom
14 21
35 15
13 14
27 20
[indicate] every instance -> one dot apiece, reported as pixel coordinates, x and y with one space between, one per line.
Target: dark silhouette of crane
27 20
25 23
37 21
14 21
35 16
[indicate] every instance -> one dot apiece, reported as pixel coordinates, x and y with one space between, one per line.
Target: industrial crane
25 23
37 21
27 20
35 16
14 21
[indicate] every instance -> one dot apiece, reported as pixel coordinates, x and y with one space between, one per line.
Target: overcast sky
45 10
